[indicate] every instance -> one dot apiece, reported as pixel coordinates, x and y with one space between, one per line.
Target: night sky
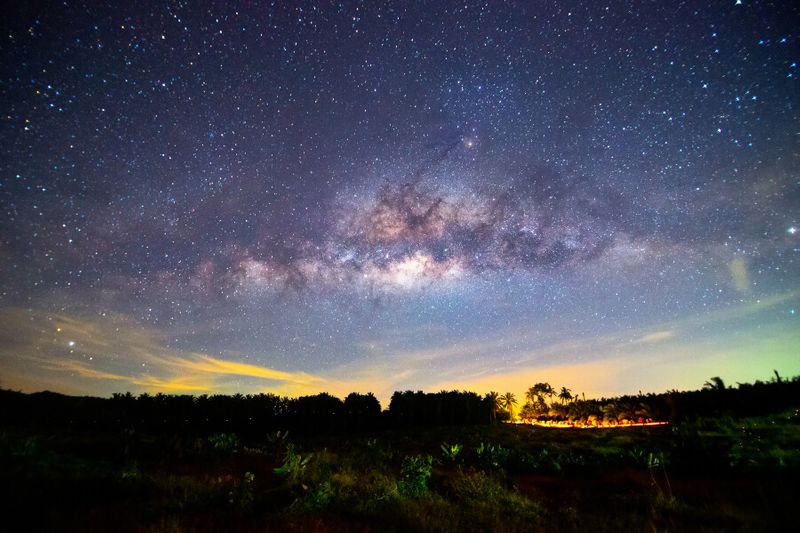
375 196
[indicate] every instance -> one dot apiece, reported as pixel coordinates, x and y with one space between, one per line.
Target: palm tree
547 390
494 404
714 383
535 397
508 401
539 391
544 389
531 395
565 395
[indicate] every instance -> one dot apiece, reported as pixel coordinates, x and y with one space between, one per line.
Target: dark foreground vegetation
729 460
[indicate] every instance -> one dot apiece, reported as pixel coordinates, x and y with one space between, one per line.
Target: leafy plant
492 455
242 494
276 441
293 465
319 496
225 442
747 450
450 451
375 453
654 461
415 473
638 456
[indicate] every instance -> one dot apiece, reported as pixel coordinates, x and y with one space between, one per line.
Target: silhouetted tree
536 402
493 400
565 395
547 390
363 411
508 401
442 408
251 416
321 412
714 383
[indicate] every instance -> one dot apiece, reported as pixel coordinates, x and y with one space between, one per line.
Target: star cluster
343 196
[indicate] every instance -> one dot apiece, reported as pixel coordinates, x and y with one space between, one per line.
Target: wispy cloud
82 369
656 336
210 365
174 385
107 354
117 349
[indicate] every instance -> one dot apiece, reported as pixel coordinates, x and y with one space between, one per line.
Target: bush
242 495
319 496
225 442
450 452
415 473
492 455
293 466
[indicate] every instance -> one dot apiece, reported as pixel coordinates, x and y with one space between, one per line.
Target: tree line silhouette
251 416
542 402
247 415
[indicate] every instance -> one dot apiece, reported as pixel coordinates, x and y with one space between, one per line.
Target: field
709 474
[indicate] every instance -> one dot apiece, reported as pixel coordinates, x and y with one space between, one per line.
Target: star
480 189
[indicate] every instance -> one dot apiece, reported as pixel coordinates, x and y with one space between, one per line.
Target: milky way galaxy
375 196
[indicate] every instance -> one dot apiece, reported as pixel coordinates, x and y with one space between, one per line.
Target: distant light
792 230
71 344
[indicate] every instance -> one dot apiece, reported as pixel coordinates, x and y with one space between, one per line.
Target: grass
711 474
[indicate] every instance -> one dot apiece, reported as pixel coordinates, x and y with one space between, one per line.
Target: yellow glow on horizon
112 353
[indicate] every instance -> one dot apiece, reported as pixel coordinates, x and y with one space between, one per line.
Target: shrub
492 455
450 452
276 441
319 496
225 442
242 495
415 473
293 466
